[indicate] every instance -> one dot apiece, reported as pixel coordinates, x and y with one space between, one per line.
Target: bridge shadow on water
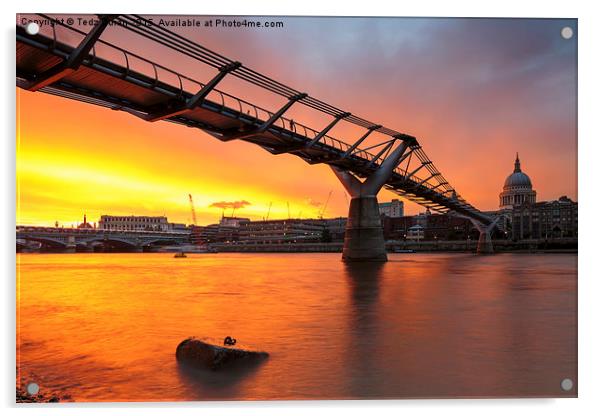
363 329
364 284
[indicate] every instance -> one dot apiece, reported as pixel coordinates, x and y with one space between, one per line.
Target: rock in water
201 354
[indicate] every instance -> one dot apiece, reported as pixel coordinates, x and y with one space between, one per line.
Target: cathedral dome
518 179
518 188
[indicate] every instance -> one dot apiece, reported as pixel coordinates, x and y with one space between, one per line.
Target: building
524 218
415 233
83 226
517 189
205 234
226 231
429 227
233 221
393 209
336 229
179 227
283 231
543 220
133 223
289 231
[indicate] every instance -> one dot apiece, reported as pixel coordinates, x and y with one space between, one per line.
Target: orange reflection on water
104 327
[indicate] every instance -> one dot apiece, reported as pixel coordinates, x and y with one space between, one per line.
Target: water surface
104 327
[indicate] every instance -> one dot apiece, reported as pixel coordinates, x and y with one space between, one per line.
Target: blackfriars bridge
64 61
76 239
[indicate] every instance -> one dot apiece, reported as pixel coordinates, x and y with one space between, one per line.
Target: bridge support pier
485 244
364 240
70 247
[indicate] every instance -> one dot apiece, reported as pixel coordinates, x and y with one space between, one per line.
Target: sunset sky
473 91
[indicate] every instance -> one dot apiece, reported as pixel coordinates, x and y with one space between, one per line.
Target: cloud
230 204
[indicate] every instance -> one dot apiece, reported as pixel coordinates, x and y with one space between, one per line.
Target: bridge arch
47 241
166 241
115 241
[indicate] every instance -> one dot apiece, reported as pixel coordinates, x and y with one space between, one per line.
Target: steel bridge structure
48 63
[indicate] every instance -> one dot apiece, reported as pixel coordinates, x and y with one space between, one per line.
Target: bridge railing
187 85
69 230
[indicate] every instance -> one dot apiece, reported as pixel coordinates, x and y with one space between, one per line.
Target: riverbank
564 245
558 245
23 397
43 395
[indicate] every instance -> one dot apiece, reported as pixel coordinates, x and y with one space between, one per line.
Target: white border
590 137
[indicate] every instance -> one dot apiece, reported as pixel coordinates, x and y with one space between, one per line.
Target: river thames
104 327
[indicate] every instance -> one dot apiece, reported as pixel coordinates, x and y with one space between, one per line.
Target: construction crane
195 236
192 209
267 217
323 210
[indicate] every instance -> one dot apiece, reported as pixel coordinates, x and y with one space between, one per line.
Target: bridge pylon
485 244
364 240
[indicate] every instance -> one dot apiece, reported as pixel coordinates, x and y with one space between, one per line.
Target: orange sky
471 117
71 159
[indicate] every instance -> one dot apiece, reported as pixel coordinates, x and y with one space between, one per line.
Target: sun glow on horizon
66 168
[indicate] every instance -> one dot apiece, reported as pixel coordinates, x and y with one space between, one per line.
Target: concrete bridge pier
485 244
70 246
364 240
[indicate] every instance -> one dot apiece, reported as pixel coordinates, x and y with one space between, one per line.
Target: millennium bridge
65 61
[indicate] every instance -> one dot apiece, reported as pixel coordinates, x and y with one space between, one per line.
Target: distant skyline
474 92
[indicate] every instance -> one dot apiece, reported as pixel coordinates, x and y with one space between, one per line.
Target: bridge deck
101 82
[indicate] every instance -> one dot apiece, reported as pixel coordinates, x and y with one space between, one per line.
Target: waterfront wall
557 244
564 244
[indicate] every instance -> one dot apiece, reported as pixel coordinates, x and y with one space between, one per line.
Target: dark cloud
230 204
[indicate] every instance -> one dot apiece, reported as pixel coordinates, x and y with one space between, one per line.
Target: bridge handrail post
54 42
239 109
181 94
305 131
127 65
223 101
